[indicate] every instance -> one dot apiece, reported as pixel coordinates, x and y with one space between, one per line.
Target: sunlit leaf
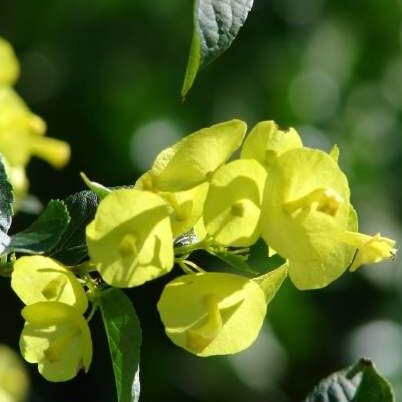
272 281
124 337
216 24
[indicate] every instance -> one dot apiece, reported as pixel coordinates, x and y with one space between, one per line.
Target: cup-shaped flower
266 142
306 210
130 239
38 278
194 158
57 337
212 313
9 66
233 205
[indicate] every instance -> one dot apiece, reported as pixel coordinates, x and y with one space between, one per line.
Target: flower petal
212 313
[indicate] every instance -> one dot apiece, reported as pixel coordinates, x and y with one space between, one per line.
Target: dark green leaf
373 386
259 260
124 337
6 207
358 383
274 261
44 233
216 24
72 248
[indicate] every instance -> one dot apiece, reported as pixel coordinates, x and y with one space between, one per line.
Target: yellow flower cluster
55 334
296 198
293 197
21 131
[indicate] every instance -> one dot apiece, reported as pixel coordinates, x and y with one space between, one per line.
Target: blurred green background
106 77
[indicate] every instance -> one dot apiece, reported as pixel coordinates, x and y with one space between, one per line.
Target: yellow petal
212 313
306 205
38 278
14 381
233 205
21 134
54 151
57 337
9 66
186 207
193 159
130 240
370 249
315 273
266 142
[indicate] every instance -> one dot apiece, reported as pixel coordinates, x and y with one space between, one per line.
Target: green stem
7 265
188 267
84 268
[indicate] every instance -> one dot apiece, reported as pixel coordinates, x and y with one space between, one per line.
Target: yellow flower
306 210
57 337
21 131
212 313
9 66
37 278
194 158
130 239
233 205
266 142
308 219
21 134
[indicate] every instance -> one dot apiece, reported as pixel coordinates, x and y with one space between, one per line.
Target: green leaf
216 23
259 260
44 233
124 337
358 383
272 281
373 386
99 189
72 248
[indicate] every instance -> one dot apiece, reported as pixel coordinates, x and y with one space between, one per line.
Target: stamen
55 351
237 209
199 338
128 245
54 288
325 200
270 156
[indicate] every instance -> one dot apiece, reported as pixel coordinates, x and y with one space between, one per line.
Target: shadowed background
106 77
